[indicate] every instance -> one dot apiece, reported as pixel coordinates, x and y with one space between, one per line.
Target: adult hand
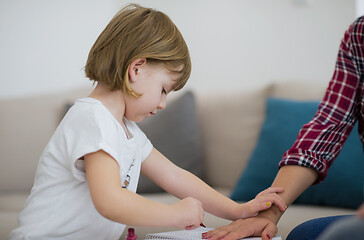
255 226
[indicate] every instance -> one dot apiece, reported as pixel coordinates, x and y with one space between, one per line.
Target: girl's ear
134 68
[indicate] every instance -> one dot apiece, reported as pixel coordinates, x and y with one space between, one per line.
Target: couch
219 131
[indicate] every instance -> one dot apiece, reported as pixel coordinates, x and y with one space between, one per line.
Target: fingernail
268 236
285 208
267 204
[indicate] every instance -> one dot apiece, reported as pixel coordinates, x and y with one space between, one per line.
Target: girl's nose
162 105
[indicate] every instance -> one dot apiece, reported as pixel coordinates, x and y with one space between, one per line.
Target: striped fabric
320 140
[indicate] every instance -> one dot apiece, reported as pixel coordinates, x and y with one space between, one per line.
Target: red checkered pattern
320 141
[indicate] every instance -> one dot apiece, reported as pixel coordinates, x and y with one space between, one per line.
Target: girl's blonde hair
137 32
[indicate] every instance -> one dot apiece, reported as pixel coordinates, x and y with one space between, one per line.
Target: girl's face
153 82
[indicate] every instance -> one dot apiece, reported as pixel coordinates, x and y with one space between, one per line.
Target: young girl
88 173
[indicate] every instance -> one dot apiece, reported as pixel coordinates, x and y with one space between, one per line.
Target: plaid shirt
320 140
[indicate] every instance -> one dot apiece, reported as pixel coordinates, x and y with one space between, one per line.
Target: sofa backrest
231 121
230 124
26 125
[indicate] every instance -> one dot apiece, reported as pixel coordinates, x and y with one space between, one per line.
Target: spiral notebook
189 235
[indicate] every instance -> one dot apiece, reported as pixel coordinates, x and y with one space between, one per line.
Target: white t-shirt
60 205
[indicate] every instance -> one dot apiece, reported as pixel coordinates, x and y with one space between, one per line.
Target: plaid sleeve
319 141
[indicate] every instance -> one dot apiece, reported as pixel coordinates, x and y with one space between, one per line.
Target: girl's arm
182 184
123 206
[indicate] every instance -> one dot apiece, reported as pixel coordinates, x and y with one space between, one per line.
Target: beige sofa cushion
298 89
230 125
26 125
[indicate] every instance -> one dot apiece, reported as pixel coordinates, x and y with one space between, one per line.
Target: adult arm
319 141
294 180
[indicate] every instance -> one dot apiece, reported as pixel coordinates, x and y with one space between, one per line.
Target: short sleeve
88 130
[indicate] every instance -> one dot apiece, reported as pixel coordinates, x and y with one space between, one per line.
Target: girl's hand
263 201
188 213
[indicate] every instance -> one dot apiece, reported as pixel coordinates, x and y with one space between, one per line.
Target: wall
44 44
233 43
359 7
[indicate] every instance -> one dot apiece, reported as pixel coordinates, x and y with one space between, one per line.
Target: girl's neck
112 100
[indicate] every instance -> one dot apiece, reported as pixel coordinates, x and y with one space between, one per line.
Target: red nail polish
268 236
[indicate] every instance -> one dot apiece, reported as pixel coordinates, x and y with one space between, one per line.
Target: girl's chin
140 118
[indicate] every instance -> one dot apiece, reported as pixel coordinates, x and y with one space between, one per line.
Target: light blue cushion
343 186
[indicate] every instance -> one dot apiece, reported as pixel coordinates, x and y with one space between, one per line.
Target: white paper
190 235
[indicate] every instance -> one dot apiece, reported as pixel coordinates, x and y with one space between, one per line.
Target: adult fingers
269 232
234 236
238 229
215 234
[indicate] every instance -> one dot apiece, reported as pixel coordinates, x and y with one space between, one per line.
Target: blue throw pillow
343 186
